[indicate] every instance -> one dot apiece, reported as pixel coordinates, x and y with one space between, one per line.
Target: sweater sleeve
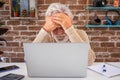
42 36
73 35
81 36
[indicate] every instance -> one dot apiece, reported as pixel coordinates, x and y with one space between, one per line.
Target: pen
104 68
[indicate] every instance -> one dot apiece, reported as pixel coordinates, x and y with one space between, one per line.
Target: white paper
110 69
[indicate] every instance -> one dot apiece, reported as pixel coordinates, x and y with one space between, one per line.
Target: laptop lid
56 60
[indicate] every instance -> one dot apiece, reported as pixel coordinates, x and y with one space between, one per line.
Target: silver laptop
56 60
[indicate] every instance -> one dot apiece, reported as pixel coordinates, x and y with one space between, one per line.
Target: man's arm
42 36
73 35
81 36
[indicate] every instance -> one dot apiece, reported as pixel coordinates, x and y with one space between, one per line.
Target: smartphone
12 76
8 68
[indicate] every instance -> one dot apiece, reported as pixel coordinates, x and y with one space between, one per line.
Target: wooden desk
91 75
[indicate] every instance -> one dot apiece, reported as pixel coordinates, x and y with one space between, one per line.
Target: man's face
59 34
58 31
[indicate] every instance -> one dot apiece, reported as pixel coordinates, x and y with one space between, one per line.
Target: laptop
56 60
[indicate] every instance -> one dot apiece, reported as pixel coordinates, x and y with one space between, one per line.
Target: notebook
105 69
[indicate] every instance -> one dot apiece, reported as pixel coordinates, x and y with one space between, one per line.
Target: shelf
103 26
23 18
102 8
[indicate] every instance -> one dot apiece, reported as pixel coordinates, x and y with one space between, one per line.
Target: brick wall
104 41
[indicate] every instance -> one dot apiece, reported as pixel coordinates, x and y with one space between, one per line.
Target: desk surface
91 75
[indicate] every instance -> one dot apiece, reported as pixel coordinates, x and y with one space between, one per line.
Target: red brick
12 44
107 44
95 44
75 18
20 55
93 33
108 33
100 49
12 33
118 44
115 28
41 17
20 38
118 33
40 1
51 1
76 7
81 27
103 54
83 2
78 22
31 38
8 38
98 60
114 49
112 60
28 22
2 22
68 1
4 13
17 59
100 28
35 27
116 55
100 13
18 49
28 33
41 23
99 38
4 18
9 55
13 55
9 49
13 22
113 39
20 28
43 7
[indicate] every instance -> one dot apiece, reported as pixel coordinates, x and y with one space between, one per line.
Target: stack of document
105 69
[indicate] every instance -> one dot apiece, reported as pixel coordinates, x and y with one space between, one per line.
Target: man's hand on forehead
62 19
60 15
49 24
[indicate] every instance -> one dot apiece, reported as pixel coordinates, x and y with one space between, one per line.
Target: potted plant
32 12
16 10
2 3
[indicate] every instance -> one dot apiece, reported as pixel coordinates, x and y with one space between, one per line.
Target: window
23 8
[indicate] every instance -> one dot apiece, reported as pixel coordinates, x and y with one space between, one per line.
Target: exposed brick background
104 41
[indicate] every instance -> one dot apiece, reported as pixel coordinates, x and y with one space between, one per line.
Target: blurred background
23 27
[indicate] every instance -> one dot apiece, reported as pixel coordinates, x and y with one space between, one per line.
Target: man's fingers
57 21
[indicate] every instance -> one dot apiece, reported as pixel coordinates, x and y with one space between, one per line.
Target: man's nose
59 31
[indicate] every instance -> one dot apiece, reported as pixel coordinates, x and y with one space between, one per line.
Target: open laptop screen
56 59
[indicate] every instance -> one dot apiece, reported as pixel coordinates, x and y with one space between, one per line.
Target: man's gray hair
60 8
